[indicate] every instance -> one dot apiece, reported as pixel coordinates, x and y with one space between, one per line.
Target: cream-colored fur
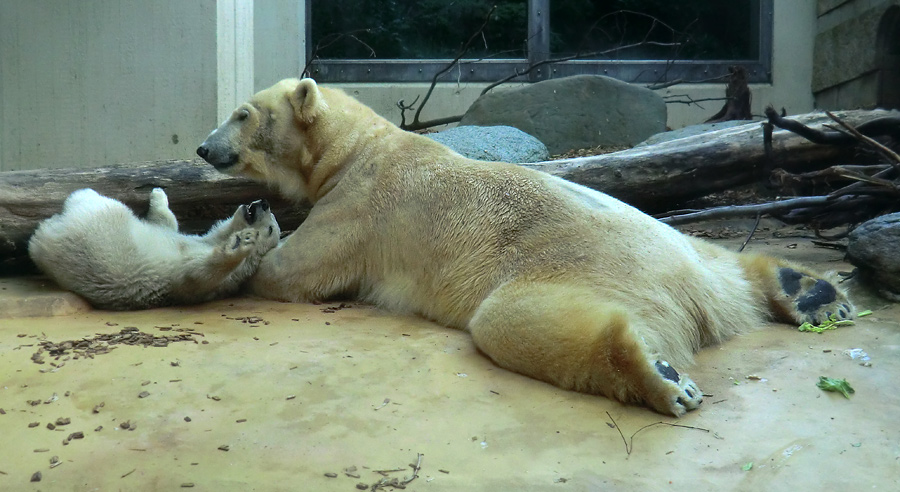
97 248
553 280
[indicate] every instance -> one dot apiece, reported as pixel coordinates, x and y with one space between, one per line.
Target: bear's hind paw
812 300
683 393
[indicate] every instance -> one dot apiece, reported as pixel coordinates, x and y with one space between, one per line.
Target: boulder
690 131
493 143
874 248
575 112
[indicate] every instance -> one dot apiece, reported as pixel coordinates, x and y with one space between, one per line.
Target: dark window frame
759 70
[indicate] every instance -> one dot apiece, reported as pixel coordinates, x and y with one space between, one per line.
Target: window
644 41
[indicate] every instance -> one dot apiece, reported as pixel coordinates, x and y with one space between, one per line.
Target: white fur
97 248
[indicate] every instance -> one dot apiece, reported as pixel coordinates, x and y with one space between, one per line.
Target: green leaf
863 313
830 324
837 385
747 467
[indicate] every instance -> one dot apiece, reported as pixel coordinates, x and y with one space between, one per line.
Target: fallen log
650 177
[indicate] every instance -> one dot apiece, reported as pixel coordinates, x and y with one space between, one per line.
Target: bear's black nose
202 151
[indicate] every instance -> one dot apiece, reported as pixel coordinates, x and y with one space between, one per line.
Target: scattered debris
331 475
128 425
857 353
63 421
396 482
629 443
103 343
129 473
187 485
98 406
224 447
747 467
36 477
33 425
383 404
861 314
334 309
754 377
837 385
143 394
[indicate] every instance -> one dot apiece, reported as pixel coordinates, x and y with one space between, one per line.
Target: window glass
417 29
692 29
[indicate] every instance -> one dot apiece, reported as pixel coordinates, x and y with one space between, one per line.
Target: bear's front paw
682 396
242 243
812 300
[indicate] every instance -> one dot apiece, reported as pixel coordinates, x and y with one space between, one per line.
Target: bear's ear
307 100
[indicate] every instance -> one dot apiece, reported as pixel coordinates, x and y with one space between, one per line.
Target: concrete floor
304 391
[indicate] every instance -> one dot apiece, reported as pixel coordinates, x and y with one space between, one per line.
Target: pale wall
85 84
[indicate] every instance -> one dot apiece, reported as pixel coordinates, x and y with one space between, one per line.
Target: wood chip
224 447
33 425
143 394
36 477
331 475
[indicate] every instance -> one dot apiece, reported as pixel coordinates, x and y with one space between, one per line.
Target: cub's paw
241 243
812 300
683 395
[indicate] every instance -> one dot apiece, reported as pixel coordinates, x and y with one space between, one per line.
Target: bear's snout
220 157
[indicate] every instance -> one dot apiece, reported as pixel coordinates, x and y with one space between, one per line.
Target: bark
653 178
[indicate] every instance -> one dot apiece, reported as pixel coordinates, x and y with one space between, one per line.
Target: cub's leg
795 293
566 336
208 272
159 212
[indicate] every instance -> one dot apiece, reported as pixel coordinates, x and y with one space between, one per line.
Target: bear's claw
685 395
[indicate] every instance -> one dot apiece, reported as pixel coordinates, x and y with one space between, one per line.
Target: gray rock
576 112
690 131
493 143
874 248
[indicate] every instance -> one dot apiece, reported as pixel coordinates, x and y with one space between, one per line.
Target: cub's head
259 216
270 137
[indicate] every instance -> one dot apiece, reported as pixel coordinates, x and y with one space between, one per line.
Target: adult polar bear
553 280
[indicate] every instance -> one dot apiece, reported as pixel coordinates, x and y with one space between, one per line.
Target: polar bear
97 248
553 280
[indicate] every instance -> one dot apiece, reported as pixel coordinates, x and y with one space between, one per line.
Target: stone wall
857 54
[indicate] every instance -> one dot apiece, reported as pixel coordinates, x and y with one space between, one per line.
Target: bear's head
280 136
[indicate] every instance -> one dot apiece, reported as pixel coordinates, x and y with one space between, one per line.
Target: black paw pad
789 280
820 294
667 371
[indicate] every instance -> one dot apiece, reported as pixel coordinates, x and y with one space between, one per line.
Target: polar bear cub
97 248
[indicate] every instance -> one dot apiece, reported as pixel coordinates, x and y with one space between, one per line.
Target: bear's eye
243 115
271 230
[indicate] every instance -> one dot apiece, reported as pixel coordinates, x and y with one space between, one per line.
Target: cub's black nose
202 151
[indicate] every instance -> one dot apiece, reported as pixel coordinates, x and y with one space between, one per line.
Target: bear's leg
565 335
794 293
159 212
